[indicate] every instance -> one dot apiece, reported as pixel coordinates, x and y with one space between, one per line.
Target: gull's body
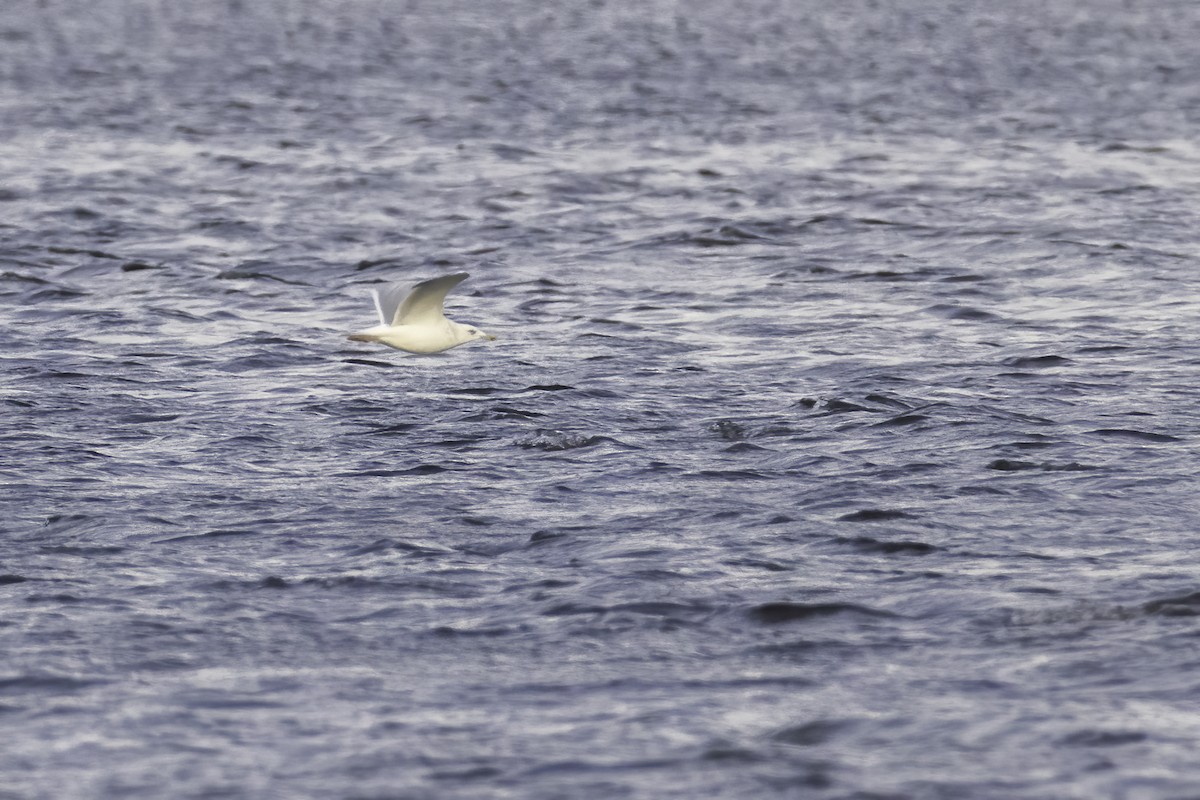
418 324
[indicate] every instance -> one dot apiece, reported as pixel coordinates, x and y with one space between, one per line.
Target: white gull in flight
418 324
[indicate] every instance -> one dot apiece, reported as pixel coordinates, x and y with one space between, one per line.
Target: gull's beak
491 338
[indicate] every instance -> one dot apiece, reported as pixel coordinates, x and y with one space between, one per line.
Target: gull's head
475 333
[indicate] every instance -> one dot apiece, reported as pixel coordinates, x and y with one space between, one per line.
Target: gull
418 324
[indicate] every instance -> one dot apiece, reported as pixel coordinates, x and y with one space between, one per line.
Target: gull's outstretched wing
423 304
387 301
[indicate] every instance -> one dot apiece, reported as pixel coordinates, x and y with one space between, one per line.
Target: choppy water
839 441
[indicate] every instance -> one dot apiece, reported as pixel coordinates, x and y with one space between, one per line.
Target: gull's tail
363 336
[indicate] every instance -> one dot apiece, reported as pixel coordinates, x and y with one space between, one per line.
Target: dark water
839 442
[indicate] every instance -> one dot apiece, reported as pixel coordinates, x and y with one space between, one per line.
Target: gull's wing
423 304
387 301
